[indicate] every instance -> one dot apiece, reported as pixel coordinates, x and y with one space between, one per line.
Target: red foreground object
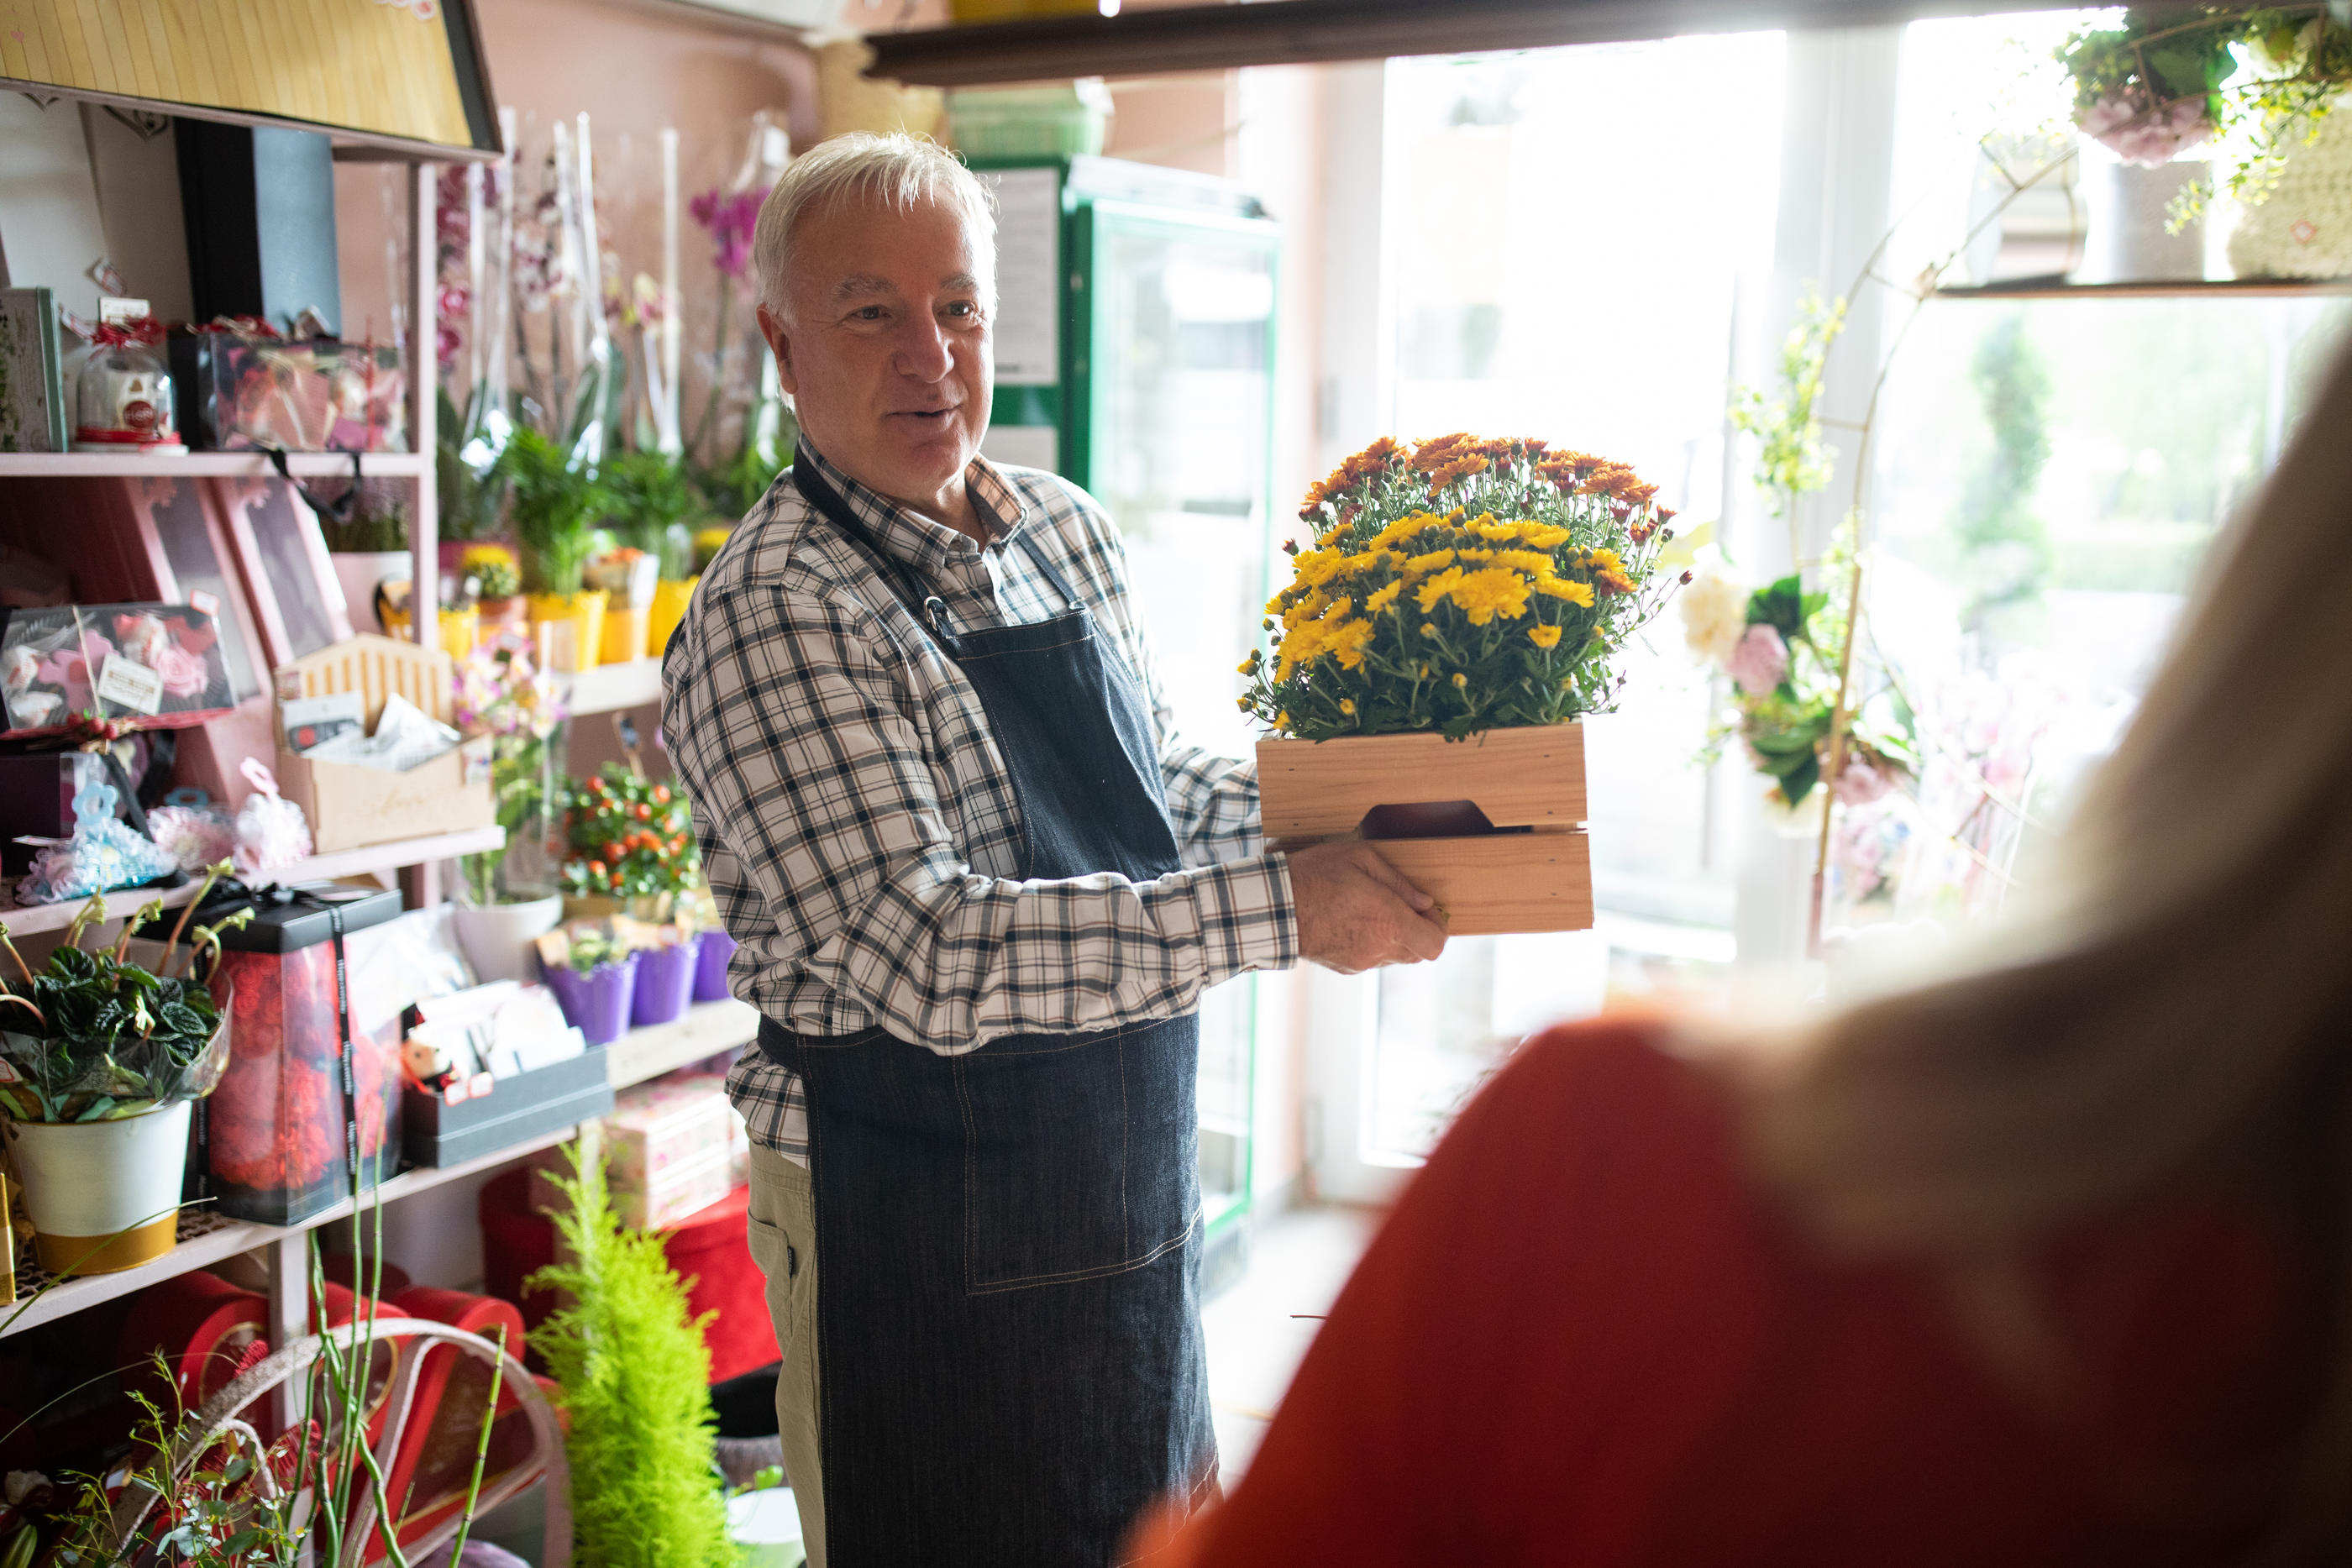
708 1248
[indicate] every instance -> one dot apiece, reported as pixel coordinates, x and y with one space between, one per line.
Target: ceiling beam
1298 31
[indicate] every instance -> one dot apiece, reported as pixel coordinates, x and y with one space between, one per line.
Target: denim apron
1009 1351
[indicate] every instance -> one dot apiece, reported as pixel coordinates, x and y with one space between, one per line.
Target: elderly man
979 887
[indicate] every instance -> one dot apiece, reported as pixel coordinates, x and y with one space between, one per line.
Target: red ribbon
146 331
239 326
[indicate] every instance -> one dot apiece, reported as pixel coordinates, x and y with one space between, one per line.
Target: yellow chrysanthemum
1345 642
1544 636
1483 595
1579 593
1383 598
1535 563
1435 560
1348 706
1248 667
1428 629
1460 680
1604 561
1242 703
1318 567
1435 590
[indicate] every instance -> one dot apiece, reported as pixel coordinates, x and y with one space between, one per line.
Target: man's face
885 344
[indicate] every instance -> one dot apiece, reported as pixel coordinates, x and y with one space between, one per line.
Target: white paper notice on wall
127 683
1028 276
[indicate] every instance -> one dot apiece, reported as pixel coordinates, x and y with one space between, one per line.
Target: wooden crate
1531 871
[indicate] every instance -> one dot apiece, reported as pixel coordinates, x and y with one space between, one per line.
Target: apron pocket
1079 1154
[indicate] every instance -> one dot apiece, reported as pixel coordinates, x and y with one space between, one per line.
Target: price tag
128 684
204 603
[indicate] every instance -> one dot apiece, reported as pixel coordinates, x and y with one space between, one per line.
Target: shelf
23 920
608 688
2180 288
207 1238
209 465
708 1029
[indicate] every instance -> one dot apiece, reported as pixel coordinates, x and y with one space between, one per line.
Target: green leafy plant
96 1038
378 522
498 579
1792 460
503 693
635 1377
2007 546
555 505
655 504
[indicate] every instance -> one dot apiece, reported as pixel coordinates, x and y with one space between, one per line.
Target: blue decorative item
102 853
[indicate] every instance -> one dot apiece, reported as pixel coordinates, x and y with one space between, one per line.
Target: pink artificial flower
1759 662
2144 133
1861 783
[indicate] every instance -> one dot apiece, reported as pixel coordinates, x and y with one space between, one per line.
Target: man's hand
1357 913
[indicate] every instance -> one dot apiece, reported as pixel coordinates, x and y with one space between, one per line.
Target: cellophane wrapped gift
312 394
671 1149
276 1132
157 665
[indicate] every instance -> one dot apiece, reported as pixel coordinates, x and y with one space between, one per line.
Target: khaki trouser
784 1243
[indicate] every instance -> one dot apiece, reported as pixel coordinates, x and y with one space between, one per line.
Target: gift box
438 1131
37 797
157 665
670 1149
275 1130
244 390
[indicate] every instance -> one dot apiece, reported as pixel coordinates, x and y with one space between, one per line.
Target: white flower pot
496 938
2129 242
766 1527
359 571
104 1196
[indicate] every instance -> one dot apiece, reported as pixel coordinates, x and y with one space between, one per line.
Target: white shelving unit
209 465
708 1029
396 855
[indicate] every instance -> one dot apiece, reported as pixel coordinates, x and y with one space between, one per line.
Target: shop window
1566 261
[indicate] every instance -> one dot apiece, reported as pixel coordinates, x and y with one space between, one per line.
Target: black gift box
515 1111
287 919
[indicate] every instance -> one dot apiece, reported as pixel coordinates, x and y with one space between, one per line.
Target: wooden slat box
1528 867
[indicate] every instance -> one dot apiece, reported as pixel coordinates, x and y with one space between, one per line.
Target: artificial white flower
1715 616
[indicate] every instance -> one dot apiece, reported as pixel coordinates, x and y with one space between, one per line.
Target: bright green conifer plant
635 1381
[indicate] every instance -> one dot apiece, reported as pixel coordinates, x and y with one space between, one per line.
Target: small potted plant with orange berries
632 853
1458 612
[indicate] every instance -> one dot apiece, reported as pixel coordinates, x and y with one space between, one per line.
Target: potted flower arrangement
655 504
593 976
1458 589
633 850
2262 78
104 1058
554 505
509 894
498 590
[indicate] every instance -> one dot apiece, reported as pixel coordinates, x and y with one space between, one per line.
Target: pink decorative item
2146 134
271 831
1759 662
145 667
195 836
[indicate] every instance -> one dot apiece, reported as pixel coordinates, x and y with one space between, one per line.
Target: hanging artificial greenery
634 1375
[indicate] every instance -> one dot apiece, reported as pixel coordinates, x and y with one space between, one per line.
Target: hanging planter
1455 619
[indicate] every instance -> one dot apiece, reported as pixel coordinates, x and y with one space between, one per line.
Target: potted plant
632 843
554 505
593 977
1462 591
508 896
105 1058
369 547
498 590
655 505
633 1374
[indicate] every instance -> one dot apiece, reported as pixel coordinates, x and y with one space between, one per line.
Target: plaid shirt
860 829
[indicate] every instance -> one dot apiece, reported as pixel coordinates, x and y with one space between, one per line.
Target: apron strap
905 586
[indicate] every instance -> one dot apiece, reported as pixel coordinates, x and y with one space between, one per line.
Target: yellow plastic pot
459 630
579 626
625 635
670 600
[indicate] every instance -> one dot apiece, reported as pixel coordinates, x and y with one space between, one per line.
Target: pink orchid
1759 662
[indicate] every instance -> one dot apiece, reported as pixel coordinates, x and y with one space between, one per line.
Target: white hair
895 171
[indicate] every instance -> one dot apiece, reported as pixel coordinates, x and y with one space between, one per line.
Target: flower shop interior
360 445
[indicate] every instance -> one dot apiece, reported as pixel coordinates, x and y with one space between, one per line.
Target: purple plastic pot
664 982
711 967
597 1003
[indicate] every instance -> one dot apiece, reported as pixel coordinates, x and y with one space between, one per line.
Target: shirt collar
923 542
